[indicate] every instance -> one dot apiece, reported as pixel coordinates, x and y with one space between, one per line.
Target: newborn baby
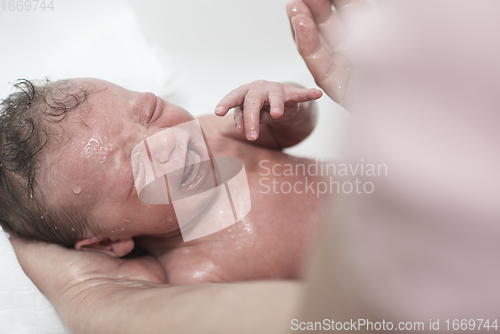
67 176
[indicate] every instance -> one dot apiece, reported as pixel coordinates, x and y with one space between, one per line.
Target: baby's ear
116 248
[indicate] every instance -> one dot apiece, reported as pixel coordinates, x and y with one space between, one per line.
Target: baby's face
91 168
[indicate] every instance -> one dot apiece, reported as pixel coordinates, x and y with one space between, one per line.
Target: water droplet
41 217
77 190
170 219
72 229
55 227
220 211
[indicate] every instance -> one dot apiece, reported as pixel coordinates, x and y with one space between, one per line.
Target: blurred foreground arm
423 246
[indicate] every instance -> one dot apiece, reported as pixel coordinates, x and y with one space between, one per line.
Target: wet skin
93 171
269 242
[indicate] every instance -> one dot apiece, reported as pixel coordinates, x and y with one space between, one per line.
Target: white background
202 49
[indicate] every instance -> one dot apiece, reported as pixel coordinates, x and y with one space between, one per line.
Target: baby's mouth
195 170
191 168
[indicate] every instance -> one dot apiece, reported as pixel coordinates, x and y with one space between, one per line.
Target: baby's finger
238 120
294 94
276 98
233 99
254 101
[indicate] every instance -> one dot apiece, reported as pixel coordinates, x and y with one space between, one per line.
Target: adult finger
295 8
328 23
327 68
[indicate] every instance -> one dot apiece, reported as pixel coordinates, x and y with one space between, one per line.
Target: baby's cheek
125 177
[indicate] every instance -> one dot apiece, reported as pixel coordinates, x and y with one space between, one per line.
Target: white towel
23 308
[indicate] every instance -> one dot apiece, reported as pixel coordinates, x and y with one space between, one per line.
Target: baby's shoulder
209 122
216 130
221 135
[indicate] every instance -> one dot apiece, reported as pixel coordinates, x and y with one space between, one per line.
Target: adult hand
319 33
63 275
96 293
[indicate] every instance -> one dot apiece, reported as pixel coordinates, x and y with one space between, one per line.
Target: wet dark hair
26 118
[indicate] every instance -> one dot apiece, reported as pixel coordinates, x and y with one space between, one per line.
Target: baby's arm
270 114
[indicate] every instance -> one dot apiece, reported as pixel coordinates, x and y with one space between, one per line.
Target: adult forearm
97 293
127 307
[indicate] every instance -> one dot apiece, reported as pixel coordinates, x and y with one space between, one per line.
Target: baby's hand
263 102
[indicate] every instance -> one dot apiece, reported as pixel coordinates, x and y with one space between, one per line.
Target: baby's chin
195 210
182 216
